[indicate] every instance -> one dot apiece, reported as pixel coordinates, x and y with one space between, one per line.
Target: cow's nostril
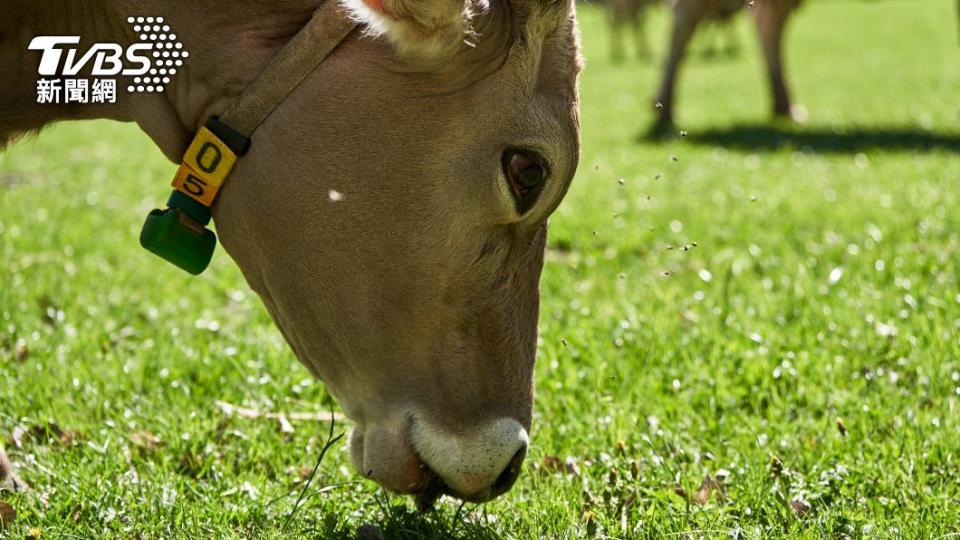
509 475
475 466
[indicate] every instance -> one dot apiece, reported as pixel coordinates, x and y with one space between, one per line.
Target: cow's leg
616 38
8 478
640 29
732 47
686 16
617 10
771 17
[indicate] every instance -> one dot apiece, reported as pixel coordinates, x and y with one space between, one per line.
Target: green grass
820 280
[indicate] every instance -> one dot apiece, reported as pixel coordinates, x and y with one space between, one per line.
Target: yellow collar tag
205 167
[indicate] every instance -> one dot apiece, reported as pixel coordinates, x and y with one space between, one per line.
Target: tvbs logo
148 65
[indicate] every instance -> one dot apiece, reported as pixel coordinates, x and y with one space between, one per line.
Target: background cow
630 17
770 17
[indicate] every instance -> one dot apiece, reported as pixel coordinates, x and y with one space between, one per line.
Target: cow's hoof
798 113
793 114
660 130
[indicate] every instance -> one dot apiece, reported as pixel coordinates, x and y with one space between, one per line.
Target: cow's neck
229 42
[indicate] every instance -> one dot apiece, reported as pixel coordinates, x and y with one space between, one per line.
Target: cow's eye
526 172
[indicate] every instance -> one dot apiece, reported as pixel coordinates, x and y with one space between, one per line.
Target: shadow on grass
407 524
772 137
398 521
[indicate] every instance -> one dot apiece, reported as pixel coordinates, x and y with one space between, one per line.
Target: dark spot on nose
509 475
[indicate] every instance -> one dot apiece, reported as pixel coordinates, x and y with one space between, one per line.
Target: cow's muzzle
475 464
435 486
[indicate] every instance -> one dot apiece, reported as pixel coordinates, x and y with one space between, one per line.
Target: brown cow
631 16
770 17
448 130
628 15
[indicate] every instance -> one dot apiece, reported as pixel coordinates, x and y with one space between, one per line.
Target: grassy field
775 308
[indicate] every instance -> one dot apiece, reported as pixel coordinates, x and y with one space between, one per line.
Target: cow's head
392 215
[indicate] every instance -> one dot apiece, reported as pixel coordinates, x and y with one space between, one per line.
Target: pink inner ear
376 5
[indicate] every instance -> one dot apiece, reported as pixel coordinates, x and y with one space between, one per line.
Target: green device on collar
179 234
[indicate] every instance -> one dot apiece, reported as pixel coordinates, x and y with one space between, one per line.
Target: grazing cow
630 14
448 131
770 17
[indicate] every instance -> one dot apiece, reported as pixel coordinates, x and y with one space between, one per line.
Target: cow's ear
423 28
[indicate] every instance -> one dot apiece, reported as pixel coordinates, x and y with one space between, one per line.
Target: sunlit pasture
751 330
